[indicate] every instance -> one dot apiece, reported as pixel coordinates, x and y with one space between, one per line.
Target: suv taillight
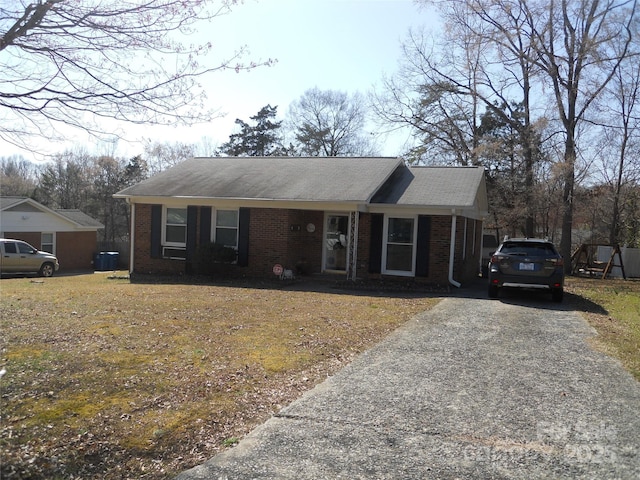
558 262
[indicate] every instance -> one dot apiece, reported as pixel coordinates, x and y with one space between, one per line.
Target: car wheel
46 270
557 294
493 291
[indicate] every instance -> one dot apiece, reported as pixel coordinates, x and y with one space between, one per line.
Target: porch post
353 245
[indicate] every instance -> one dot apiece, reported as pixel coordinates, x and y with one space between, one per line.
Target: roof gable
79 218
18 204
75 217
455 187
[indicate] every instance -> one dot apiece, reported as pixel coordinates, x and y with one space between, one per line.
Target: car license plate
528 266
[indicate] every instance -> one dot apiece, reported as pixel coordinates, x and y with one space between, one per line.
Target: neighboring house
363 218
69 234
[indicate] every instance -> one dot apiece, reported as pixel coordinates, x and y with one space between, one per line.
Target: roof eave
301 204
467 210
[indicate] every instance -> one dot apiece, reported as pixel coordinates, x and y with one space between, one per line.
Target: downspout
452 249
132 235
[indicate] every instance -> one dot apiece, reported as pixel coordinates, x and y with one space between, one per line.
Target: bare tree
443 118
66 182
330 123
18 176
161 155
78 63
620 157
572 47
579 44
481 68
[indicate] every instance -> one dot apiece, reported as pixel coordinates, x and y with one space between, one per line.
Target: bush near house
212 258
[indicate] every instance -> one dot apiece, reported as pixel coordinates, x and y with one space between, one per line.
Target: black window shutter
205 225
156 231
422 253
243 237
192 224
375 248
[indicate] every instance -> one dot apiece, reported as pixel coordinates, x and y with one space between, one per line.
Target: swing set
584 262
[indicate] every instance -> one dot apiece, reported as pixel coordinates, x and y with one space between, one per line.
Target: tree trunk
614 233
567 200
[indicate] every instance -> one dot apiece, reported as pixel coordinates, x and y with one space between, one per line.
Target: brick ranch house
361 218
71 235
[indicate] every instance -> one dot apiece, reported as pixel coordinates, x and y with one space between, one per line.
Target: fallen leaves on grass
108 379
612 307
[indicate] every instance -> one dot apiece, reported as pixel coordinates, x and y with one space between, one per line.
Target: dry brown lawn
111 379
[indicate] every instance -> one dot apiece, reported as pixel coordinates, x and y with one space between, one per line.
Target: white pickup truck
17 256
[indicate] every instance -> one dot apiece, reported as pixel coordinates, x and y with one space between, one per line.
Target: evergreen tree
262 139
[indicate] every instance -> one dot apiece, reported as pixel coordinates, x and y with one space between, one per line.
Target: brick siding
278 236
142 247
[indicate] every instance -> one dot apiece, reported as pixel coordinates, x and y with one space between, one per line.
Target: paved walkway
473 389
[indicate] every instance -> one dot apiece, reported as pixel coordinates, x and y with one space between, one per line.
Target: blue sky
345 45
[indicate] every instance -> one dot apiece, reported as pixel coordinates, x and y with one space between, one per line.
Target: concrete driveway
473 389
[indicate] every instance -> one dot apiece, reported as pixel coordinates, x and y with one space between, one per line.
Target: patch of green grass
230 442
613 308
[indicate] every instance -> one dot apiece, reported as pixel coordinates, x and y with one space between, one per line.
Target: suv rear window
10 247
528 249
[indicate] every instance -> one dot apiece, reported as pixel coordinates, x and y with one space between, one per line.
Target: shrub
213 258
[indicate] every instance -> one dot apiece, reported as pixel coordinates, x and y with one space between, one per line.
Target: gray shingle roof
434 186
80 218
271 178
8 202
76 216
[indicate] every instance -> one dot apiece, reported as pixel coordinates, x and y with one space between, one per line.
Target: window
399 253
175 230
46 242
10 247
25 248
226 228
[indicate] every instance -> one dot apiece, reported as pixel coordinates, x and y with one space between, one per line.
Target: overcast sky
345 45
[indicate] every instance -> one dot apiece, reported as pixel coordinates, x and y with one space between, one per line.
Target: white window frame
166 243
53 242
214 224
385 243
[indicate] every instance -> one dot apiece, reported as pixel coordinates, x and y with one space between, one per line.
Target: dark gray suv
527 263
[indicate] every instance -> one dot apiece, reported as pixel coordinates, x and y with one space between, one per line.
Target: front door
336 242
